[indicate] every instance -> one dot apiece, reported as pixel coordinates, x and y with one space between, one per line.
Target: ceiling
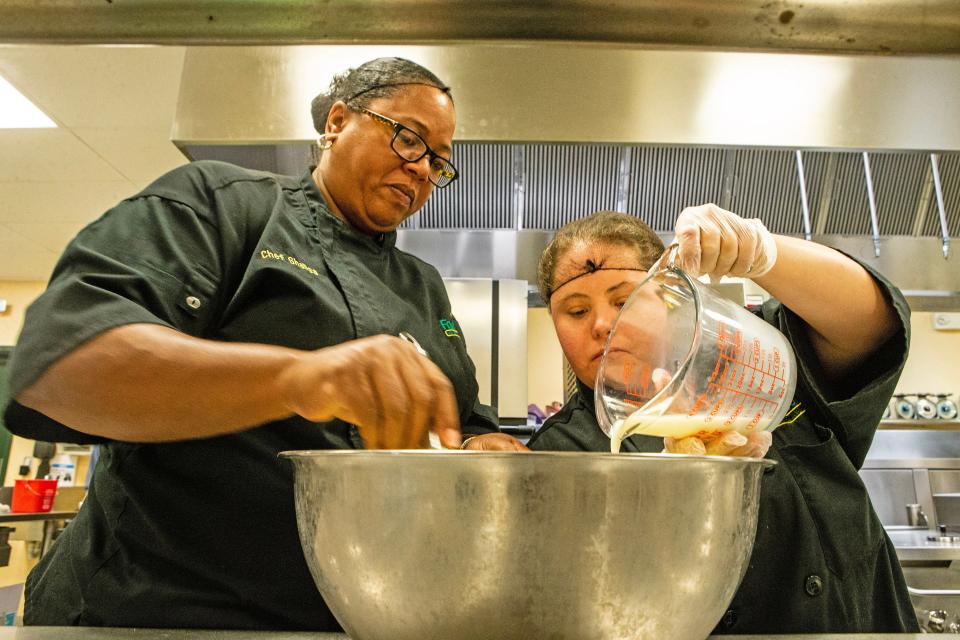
114 107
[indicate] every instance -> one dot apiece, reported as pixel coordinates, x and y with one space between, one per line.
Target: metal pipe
945 234
518 169
875 227
623 178
807 233
890 27
933 592
828 179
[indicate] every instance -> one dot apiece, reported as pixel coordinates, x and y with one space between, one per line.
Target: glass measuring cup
682 361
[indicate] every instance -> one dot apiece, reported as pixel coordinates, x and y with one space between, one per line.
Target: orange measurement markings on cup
745 384
637 388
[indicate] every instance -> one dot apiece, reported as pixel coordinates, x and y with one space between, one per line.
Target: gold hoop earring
324 142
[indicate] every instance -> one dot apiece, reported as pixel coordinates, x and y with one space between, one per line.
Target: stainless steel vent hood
589 94
891 26
549 133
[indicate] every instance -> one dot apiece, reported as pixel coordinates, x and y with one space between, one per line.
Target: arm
113 347
846 314
153 383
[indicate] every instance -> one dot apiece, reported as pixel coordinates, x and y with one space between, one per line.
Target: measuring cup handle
668 259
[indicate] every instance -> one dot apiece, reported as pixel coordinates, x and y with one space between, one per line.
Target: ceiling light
16 112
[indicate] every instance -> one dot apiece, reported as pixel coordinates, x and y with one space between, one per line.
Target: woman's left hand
494 442
716 242
732 443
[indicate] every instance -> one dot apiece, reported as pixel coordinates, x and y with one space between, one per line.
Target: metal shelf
926 425
36 515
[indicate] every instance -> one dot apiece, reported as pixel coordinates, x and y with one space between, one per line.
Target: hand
494 442
717 242
382 385
732 443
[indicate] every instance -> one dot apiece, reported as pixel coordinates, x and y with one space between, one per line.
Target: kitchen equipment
63 469
946 407
944 536
32 496
947 506
904 407
916 517
937 621
926 408
405 545
682 361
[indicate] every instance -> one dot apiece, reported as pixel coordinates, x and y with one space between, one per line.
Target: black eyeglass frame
397 128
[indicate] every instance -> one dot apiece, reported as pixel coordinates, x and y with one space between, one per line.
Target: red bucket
32 496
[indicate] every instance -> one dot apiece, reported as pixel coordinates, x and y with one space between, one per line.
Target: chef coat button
813 585
193 302
729 619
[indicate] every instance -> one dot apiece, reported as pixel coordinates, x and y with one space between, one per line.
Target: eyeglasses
407 144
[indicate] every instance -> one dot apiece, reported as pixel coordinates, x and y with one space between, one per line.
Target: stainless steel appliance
493 316
913 477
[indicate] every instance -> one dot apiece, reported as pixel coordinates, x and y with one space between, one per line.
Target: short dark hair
607 227
378 78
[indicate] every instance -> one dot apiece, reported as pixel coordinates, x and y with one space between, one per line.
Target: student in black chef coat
821 561
221 316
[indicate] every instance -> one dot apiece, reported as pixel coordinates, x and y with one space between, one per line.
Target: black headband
590 268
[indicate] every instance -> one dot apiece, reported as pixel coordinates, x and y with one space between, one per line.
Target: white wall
544 359
934 362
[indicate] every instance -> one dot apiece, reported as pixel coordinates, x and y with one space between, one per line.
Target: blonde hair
607 227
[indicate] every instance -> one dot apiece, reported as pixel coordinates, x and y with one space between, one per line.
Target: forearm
844 307
149 383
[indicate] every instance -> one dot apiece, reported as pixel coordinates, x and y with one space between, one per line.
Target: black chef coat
202 533
821 562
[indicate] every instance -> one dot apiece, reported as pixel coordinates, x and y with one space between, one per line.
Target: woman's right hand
381 384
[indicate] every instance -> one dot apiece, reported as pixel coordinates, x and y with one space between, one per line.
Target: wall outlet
946 321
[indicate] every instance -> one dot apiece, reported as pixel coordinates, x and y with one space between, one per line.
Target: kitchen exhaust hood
565 106
861 153
891 26
589 94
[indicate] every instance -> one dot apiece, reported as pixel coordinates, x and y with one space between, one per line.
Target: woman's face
373 188
583 310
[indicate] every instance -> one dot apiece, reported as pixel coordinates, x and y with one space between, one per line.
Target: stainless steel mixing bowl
407 545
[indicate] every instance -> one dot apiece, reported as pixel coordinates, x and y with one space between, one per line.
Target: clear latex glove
716 242
732 443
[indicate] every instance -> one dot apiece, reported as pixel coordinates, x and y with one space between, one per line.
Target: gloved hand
732 443
717 242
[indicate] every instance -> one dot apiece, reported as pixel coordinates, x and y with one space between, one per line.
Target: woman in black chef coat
821 561
221 316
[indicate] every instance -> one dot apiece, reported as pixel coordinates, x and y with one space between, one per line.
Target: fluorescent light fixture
16 112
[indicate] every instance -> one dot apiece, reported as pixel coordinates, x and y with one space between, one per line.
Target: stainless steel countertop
912 544
93 633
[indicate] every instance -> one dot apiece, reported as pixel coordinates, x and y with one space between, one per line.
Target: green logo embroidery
449 329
